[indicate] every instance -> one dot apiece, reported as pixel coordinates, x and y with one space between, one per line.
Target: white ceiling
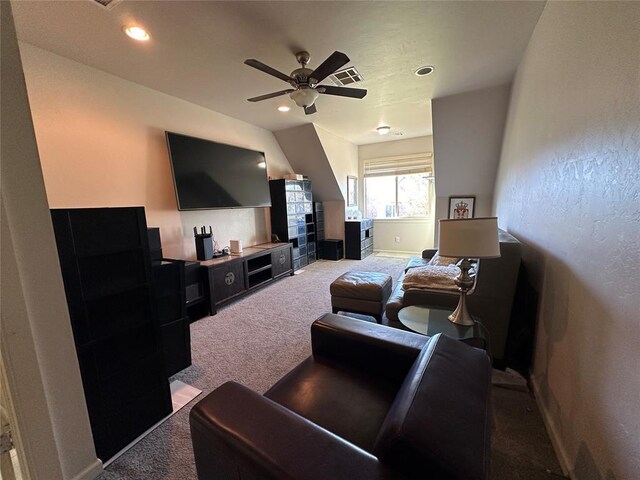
197 51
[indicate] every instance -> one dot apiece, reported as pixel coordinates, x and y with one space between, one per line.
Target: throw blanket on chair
432 277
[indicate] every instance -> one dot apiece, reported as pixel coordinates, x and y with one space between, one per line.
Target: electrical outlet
397 239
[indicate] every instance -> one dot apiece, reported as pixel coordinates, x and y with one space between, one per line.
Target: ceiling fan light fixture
283 108
304 97
136 32
383 130
422 71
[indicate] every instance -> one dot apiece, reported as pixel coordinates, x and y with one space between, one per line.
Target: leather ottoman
361 292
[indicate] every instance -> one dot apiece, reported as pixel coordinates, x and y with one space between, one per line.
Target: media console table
232 276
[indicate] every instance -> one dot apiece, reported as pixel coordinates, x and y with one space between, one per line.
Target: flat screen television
209 175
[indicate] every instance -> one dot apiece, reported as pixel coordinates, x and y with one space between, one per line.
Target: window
399 187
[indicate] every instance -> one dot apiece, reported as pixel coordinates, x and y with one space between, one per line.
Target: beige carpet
258 339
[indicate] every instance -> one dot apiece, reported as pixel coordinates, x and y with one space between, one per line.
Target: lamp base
461 316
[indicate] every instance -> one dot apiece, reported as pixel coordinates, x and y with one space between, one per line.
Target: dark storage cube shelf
292 217
358 238
106 269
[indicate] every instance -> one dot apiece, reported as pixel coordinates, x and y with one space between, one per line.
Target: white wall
304 151
101 142
342 156
569 188
326 159
467 138
414 234
38 353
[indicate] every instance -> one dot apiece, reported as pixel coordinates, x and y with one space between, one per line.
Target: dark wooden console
232 276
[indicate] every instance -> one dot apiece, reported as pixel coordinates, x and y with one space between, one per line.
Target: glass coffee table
433 320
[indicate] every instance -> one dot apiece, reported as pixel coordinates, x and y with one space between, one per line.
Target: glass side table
433 320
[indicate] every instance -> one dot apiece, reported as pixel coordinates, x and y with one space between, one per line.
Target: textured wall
569 188
53 435
467 136
101 142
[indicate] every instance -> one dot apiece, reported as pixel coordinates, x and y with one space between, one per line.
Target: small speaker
331 249
155 246
236 246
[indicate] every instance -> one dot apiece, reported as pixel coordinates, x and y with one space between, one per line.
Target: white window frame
396 166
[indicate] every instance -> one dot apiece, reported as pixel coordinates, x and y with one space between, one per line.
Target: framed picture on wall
352 191
461 207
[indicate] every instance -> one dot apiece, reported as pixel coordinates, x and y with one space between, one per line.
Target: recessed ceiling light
283 108
383 130
422 71
137 33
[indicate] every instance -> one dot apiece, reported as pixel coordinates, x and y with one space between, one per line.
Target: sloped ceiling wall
304 150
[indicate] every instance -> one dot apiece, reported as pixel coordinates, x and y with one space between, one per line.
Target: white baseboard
91 472
398 252
556 440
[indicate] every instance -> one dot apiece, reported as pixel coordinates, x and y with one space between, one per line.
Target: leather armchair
490 299
372 402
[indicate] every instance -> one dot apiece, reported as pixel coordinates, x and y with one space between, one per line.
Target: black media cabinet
232 276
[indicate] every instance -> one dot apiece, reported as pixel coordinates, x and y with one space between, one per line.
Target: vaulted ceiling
197 50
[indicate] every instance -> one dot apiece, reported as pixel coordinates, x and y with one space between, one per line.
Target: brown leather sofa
372 402
490 299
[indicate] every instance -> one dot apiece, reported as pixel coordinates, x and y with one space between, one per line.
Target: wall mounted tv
210 175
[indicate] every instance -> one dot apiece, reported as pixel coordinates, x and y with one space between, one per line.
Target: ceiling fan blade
342 91
330 65
310 109
270 95
252 62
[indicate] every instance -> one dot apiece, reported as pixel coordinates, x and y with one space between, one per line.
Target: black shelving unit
108 280
358 238
292 218
169 292
195 279
318 219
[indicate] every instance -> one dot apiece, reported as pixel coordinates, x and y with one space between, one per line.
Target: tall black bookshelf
292 218
108 281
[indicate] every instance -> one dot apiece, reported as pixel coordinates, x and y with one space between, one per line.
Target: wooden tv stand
232 276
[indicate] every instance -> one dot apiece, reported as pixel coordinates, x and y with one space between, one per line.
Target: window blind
399 165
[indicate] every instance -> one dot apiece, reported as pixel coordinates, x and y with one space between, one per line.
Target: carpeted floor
259 338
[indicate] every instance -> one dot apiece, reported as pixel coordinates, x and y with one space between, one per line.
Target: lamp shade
469 238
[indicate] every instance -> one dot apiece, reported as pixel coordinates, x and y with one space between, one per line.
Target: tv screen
209 175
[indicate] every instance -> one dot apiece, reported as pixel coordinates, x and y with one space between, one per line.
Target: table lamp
467 238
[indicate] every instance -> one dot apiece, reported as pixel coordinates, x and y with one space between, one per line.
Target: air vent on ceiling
108 4
346 77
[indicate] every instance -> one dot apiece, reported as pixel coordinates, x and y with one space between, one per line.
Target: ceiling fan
305 81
